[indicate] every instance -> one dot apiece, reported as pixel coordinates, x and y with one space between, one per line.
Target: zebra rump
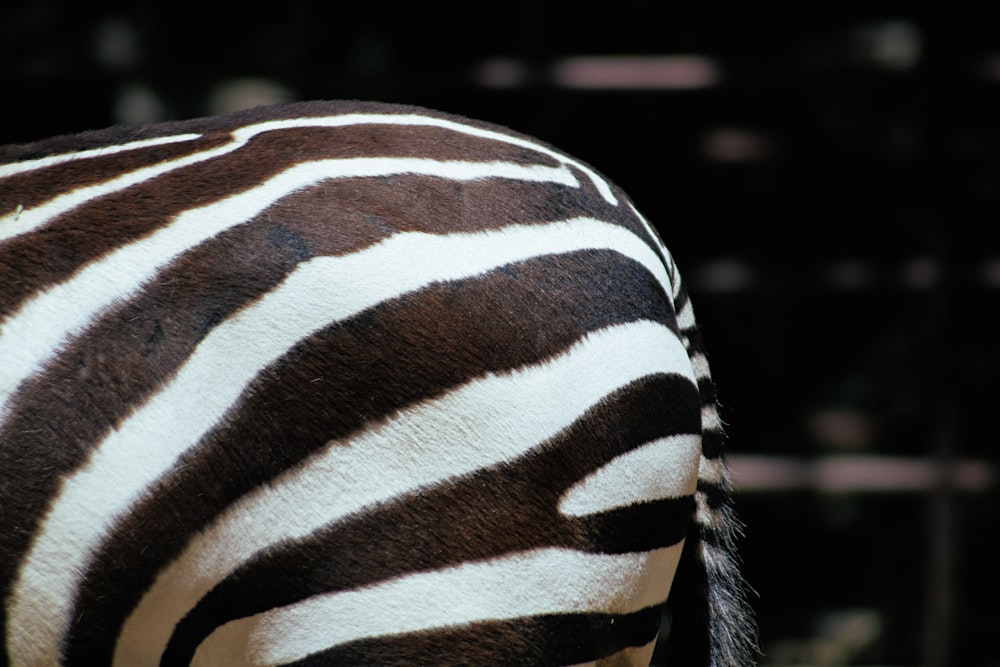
350 383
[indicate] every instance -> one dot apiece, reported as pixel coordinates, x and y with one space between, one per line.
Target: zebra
350 383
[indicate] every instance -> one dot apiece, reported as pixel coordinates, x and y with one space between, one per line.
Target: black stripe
629 529
688 609
707 387
539 641
717 496
713 443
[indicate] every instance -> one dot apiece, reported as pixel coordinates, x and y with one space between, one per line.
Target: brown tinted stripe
336 209
506 508
371 365
552 640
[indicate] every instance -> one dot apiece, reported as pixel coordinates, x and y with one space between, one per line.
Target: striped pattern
343 383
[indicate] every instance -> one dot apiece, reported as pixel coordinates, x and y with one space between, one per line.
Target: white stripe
653 235
35 333
149 443
14 168
545 581
423 445
27 220
663 468
599 183
668 259
685 318
701 368
429 121
710 420
712 471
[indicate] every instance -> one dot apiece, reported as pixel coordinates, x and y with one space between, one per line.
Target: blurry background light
857 474
920 273
723 275
116 44
244 93
893 44
502 73
138 103
990 273
636 72
850 274
729 144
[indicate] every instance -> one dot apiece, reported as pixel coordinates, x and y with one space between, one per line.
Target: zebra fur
211 330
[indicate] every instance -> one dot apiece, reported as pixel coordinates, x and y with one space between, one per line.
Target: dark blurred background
827 182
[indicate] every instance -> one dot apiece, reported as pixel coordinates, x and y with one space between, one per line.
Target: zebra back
345 383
